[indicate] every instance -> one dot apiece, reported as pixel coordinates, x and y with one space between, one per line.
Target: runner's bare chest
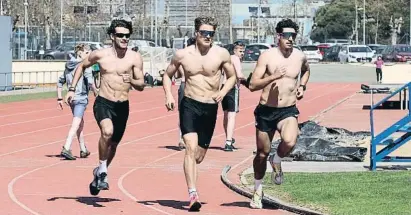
207 65
114 65
291 64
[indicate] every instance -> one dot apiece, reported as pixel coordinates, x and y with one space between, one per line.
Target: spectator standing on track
379 63
80 100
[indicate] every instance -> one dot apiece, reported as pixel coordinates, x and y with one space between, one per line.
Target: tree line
387 21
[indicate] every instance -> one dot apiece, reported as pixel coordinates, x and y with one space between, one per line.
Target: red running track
146 176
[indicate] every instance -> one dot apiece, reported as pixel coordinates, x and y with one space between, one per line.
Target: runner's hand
126 78
218 97
69 97
279 73
170 103
300 93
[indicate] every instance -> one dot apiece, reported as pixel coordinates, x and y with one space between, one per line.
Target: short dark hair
119 23
286 23
191 41
205 20
238 43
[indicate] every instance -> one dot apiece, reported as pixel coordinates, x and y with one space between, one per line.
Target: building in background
245 18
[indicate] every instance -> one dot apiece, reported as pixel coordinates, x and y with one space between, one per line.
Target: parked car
397 53
355 53
312 52
63 51
323 47
331 53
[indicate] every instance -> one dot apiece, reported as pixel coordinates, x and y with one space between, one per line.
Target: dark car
396 53
331 53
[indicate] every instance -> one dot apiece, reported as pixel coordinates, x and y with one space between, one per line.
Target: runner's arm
238 69
305 72
88 74
229 72
258 81
170 72
179 73
61 81
138 77
91 60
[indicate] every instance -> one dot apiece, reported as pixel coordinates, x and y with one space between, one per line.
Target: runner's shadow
169 203
59 156
175 148
93 201
246 205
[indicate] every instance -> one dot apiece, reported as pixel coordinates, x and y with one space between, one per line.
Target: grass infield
365 193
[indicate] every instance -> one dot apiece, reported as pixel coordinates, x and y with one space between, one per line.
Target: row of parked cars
344 53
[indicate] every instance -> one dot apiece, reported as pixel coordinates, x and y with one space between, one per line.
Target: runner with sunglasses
231 101
201 63
277 73
120 68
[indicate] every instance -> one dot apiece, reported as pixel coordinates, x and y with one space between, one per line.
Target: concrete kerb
268 200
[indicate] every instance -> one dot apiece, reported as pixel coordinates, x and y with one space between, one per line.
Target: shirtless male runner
231 101
277 73
180 74
120 68
202 64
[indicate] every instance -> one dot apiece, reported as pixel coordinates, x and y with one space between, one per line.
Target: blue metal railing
373 107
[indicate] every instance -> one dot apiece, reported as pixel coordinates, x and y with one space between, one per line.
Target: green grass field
26 97
362 193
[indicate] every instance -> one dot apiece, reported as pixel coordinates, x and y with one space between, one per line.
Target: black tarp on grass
319 143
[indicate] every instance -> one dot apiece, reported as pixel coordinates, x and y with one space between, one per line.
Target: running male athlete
80 100
120 68
277 73
231 101
201 63
180 74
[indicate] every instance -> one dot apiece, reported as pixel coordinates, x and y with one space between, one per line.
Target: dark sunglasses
205 33
287 35
121 35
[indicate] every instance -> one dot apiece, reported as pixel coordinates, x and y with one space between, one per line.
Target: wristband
72 89
59 99
304 87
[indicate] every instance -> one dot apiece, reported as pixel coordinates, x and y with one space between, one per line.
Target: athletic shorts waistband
111 103
211 105
275 108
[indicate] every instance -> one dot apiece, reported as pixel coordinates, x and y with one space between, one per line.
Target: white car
355 54
312 52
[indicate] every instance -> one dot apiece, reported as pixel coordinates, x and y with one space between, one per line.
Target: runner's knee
107 132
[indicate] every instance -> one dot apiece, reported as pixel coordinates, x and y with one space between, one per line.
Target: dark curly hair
286 23
205 20
119 23
191 41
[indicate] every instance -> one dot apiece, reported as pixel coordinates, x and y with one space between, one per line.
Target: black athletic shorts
181 93
267 118
116 111
231 101
199 118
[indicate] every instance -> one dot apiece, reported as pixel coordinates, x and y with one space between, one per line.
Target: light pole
409 33
61 22
356 22
1 7
26 4
156 22
258 21
363 26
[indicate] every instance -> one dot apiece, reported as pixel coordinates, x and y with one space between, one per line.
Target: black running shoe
93 185
228 148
